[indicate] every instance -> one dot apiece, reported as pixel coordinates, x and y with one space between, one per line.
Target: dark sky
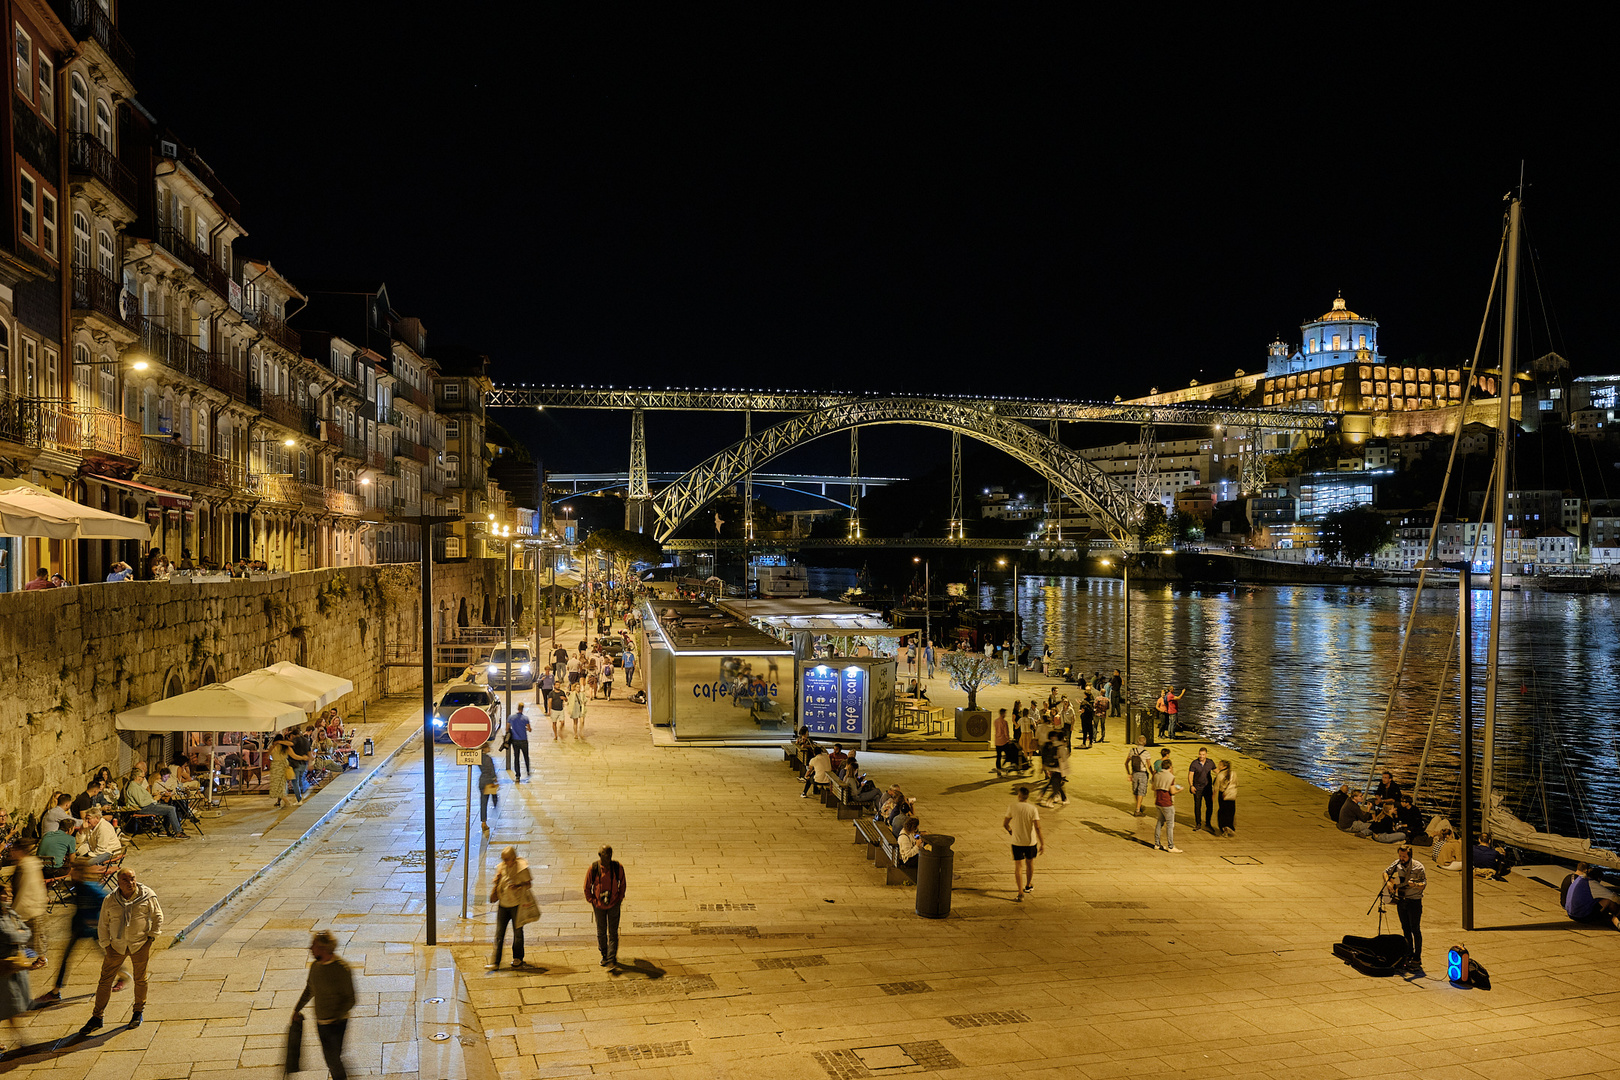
817 196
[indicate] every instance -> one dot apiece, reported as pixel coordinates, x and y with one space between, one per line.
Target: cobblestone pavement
761 943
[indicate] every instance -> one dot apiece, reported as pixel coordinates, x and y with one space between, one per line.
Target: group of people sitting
1390 816
835 766
91 816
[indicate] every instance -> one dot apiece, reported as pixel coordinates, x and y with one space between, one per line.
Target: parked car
454 697
523 668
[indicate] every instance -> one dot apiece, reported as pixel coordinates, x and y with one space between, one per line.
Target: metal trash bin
935 868
1147 723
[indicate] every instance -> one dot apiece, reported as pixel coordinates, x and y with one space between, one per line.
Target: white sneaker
1173 850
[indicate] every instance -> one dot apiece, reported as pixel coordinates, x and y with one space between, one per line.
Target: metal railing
227 378
355 448
174 241
172 460
175 351
102 431
103 294
90 156
341 502
274 487
274 329
88 19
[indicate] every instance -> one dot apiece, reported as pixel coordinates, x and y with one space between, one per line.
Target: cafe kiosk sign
846 698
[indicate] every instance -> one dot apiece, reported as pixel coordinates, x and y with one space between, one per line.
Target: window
81 240
27 200
202 232
30 386
452 429
452 391
106 254
452 468
25 63
78 103
47 223
1335 342
109 385
53 374
104 128
47 89
81 374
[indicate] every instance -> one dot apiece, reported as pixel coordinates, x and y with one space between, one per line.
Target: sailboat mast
1504 429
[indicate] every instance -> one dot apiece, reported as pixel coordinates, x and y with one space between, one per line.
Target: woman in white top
576 710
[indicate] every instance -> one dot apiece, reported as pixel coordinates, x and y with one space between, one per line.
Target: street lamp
928 606
1125 685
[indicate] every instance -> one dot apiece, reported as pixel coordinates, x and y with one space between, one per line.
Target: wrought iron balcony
171 460
89 156
102 431
341 502
94 291
276 488
283 410
274 329
174 241
227 378
176 352
88 20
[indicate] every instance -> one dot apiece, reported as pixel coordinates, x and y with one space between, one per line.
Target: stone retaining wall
70 659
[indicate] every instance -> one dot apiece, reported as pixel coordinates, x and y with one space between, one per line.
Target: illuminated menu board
833 701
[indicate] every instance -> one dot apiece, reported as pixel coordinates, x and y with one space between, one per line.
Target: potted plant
971 671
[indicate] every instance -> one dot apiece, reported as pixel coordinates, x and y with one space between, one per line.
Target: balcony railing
353 447
392 417
377 459
275 487
312 495
102 293
173 461
408 449
274 329
431 481
331 434
283 410
416 397
89 156
104 432
341 502
176 352
227 378
175 242
88 19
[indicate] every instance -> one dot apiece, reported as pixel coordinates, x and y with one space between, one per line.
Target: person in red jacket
604 888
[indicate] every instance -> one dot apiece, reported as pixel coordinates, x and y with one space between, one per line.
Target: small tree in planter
970 671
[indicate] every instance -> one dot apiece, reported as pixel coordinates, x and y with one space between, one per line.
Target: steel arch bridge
1075 476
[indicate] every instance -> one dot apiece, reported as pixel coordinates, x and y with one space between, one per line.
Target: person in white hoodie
131 920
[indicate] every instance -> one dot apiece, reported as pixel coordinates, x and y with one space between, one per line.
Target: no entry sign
469 727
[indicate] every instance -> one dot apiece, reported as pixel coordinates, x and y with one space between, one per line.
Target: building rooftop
694 627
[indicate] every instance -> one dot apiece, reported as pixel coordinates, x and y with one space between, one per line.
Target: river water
1298 676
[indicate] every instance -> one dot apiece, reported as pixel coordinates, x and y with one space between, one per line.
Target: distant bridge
1005 423
804 543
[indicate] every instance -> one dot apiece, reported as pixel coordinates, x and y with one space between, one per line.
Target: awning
29 510
276 687
212 708
172 499
330 687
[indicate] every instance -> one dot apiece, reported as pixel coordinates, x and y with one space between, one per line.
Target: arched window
104 128
81 240
106 255
452 468
81 374
78 104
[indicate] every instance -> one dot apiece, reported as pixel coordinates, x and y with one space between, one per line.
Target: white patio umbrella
276 686
29 510
330 687
215 707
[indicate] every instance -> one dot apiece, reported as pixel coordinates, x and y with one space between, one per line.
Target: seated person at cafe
56 850
90 796
140 799
167 791
57 812
119 571
1581 904
100 840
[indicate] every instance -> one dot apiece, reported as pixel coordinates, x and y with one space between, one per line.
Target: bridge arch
1072 474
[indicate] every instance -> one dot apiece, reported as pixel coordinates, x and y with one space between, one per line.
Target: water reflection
1299 676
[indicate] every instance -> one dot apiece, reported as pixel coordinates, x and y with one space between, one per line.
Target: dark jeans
809 782
504 915
1227 814
300 788
331 1036
484 799
1008 752
1113 709
1204 805
1054 786
520 747
607 932
1411 913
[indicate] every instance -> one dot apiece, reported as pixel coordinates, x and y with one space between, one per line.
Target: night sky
817 196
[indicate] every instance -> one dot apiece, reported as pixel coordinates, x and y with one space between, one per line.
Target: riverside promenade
762 944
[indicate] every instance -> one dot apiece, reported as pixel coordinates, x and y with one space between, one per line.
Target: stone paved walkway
764 944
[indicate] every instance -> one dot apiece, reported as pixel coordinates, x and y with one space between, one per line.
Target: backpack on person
1133 762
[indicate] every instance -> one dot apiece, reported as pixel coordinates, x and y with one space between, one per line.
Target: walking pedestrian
928 657
331 985
1201 781
1406 880
1116 692
28 900
558 703
131 920
1164 798
605 888
298 756
517 726
87 899
1088 722
576 711
1023 824
629 663
607 678
1001 736
489 786
1226 791
509 892
15 997
1050 764
1136 768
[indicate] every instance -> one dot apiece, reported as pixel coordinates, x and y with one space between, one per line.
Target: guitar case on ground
1381 955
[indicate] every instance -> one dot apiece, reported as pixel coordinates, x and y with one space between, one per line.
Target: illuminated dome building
1335 338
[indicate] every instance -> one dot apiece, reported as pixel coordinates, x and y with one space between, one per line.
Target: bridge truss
1002 422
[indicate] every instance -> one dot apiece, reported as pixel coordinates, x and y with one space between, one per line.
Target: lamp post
425 524
928 607
1125 683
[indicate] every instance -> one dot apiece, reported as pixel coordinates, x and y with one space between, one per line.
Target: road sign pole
466 843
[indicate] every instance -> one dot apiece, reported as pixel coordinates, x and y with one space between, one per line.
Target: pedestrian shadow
37 1053
639 967
1551 924
974 785
1106 830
